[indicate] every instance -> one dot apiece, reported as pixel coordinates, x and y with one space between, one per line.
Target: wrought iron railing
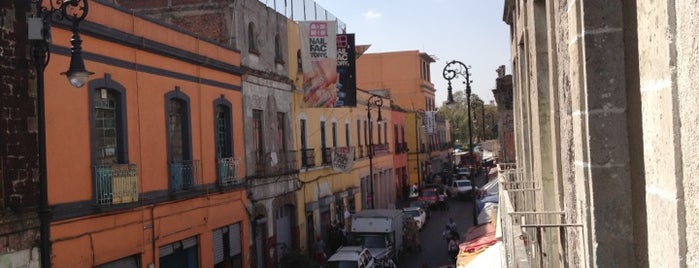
308 157
277 163
327 156
381 148
228 171
184 175
116 184
523 223
361 151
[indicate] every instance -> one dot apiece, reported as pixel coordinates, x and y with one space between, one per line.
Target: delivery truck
380 231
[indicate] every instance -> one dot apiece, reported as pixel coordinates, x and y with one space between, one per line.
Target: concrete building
503 96
260 34
605 117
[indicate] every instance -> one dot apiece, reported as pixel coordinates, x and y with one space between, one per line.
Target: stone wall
19 195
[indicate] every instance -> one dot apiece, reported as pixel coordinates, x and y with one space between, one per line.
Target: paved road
434 247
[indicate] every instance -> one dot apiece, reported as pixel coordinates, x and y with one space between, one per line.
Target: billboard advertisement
319 61
346 70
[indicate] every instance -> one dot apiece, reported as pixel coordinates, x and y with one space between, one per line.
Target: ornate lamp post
452 70
39 32
377 101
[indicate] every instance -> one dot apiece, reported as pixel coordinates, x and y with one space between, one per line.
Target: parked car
462 173
421 204
462 189
350 257
418 215
429 196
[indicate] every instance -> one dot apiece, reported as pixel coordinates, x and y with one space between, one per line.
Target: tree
484 118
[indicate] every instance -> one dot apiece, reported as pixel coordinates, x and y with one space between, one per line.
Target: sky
470 31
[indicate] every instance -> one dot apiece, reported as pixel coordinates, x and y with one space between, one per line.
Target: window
303 134
323 143
226 165
299 63
178 123
181 254
306 154
334 133
402 133
366 132
395 134
281 132
257 136
106 112
127 262
252 45
183 171
378 137
223 128
359 132
385 132
114 178
278 55
227 247
347 134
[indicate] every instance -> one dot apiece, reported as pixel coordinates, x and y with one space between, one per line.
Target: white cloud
372 15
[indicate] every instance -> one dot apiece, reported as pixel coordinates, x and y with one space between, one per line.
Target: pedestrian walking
452 224
453 249
447 233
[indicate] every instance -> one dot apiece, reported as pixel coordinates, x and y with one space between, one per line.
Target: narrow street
434 247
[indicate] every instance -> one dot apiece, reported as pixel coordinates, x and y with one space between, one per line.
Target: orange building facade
144 163
406 75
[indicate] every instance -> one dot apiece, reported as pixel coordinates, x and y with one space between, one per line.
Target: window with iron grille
177 120
106 130
224 145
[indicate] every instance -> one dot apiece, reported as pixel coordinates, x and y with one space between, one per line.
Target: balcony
308 157
116 184
327 156
524 224
361 151
228 172
184 175
381 148
277 163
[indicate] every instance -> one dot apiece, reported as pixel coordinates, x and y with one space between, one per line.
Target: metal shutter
218 246
189 242
234 236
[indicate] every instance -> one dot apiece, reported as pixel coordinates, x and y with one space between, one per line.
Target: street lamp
39 33
482 119
452 70
377 101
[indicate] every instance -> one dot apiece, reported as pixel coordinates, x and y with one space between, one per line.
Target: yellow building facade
326 195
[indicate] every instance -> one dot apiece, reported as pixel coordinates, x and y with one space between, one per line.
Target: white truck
380 231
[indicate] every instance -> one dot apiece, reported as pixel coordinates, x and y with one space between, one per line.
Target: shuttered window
234 234
218 246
